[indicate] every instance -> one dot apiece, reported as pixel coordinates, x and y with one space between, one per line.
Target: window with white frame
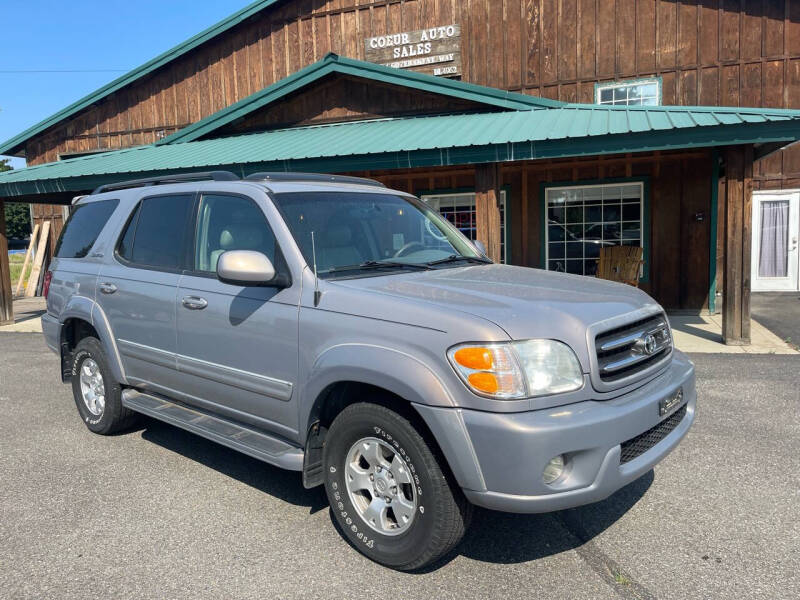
459 209
583 219
643 92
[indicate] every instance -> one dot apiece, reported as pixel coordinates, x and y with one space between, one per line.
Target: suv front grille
628 350
637 446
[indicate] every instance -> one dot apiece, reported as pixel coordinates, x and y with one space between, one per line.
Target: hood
526 303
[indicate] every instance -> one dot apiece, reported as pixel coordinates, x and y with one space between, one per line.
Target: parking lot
159 513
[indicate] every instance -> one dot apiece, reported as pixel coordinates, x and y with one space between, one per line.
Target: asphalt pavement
779 312
160 513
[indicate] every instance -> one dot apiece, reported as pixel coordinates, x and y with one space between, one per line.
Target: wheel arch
80 318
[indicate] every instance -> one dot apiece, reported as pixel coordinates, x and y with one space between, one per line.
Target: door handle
108 288
194 302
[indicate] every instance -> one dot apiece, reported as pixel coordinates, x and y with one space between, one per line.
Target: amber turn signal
476 358
484 382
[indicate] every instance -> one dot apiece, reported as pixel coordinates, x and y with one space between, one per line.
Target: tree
18 216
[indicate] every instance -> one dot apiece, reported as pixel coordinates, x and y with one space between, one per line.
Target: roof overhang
566 131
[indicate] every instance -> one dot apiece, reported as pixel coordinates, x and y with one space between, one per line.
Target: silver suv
334 327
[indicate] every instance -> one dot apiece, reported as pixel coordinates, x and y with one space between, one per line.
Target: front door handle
108 288
194 302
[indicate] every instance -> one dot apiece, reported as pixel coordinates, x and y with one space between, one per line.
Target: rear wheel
389 495
97 395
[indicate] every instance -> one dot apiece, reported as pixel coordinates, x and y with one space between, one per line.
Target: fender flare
407 377
86 309
387 368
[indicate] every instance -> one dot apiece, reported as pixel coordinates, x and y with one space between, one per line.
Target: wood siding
717 52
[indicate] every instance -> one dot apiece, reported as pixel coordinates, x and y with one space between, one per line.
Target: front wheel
389 495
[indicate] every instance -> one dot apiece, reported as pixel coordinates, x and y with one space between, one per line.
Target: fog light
554 469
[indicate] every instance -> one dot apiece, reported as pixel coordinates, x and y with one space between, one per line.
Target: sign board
436 51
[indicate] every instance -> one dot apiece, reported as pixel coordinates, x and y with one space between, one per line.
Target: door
776 230
137 289
237 346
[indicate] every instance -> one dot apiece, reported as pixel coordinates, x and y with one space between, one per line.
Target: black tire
114 417
443 514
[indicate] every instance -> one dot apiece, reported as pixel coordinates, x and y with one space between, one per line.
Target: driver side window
230 223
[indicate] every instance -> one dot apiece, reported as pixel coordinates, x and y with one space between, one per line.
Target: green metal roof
567 130
13 144
333 63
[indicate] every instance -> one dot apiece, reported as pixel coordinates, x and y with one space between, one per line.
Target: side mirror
479 247
246 267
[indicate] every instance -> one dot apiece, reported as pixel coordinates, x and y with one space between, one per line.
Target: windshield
370 230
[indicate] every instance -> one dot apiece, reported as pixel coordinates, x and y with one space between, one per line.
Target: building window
583 219
643 92
459 209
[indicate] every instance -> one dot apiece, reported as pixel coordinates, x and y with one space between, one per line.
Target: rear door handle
194 302
108 288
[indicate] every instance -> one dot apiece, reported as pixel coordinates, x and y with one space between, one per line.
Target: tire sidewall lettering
77 360
353 523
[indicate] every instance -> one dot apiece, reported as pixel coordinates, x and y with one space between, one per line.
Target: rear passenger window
156 234
82 228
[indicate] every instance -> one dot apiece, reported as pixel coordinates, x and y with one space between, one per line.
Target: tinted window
230 223
351 229
125 247
84 225
156 236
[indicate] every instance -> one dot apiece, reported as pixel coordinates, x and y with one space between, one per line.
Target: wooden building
690 192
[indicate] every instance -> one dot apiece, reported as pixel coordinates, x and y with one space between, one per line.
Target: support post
487 209
6 302
737 241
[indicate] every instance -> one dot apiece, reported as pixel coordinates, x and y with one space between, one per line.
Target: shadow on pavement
279 483
494 537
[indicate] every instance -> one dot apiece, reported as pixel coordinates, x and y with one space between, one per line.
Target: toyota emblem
649 344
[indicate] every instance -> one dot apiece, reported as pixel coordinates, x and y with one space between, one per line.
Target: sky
106 37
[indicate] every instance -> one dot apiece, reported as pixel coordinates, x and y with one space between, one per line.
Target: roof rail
166 179
318 177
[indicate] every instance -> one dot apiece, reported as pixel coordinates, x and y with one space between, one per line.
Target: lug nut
371 477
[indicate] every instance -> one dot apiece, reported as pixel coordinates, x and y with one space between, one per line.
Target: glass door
775 239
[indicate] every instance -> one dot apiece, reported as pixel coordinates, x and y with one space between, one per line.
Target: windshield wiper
458 258
379 264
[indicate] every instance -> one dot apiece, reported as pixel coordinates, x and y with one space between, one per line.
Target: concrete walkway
703 333
27 316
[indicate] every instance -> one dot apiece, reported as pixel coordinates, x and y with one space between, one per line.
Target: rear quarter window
82 228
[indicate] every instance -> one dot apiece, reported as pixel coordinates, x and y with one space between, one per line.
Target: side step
247 441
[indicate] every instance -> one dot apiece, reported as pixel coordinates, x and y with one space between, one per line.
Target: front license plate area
671 402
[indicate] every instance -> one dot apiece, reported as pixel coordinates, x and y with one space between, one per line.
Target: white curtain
773 254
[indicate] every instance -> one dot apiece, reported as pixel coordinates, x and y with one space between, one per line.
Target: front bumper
498 458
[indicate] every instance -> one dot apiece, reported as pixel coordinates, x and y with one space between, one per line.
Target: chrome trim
640 377
624 341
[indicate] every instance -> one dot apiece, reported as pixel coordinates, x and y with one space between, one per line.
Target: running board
247 441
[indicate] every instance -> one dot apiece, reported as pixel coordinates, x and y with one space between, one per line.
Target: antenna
317 293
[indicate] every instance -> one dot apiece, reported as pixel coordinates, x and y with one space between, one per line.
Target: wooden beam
6 302
28 254
487 211
38 261
737 243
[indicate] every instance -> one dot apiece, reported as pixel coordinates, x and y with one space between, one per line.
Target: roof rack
167 179
318 177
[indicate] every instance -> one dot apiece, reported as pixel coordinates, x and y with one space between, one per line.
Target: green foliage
18 216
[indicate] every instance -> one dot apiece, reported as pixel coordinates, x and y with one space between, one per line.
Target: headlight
515 370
